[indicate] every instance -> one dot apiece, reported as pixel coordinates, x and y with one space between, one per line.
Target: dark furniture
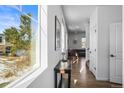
80 52
57 71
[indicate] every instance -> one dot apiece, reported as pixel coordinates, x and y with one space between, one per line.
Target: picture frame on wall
57 34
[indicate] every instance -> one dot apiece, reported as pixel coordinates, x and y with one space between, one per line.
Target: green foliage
12 36
25 31
20 39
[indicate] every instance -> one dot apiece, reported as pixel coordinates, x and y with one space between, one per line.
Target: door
116 53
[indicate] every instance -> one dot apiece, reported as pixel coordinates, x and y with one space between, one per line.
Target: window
37 55
20 27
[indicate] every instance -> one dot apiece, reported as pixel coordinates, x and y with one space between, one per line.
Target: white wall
46 79
93 41
78 37
106 16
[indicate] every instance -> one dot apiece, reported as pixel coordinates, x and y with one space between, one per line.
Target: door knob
112 55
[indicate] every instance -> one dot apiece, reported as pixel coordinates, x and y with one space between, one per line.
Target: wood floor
82 78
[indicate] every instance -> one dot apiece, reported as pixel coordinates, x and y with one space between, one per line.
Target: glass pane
18 35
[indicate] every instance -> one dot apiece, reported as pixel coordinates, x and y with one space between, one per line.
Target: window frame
28 77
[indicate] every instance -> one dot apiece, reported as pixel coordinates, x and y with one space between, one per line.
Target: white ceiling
77 15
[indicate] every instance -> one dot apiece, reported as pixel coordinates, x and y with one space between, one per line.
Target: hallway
83 78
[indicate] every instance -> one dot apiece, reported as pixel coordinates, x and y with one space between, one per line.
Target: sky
10 16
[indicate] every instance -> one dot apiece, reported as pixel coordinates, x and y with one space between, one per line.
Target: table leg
60 82
69 79
55 76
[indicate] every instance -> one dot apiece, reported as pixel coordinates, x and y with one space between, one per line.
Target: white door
116 53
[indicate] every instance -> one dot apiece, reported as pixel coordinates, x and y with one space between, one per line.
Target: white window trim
30 76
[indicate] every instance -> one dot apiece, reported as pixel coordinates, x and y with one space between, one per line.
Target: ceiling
76 16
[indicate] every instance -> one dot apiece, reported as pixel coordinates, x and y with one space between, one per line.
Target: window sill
27 79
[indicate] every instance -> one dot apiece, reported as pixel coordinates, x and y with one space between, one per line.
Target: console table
66 70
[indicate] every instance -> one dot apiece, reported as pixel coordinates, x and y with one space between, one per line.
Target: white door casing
93 41
116 53
93 49
87 43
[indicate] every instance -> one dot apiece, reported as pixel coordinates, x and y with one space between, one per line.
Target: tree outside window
19 29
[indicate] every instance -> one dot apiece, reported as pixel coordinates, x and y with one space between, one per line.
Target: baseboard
102 78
